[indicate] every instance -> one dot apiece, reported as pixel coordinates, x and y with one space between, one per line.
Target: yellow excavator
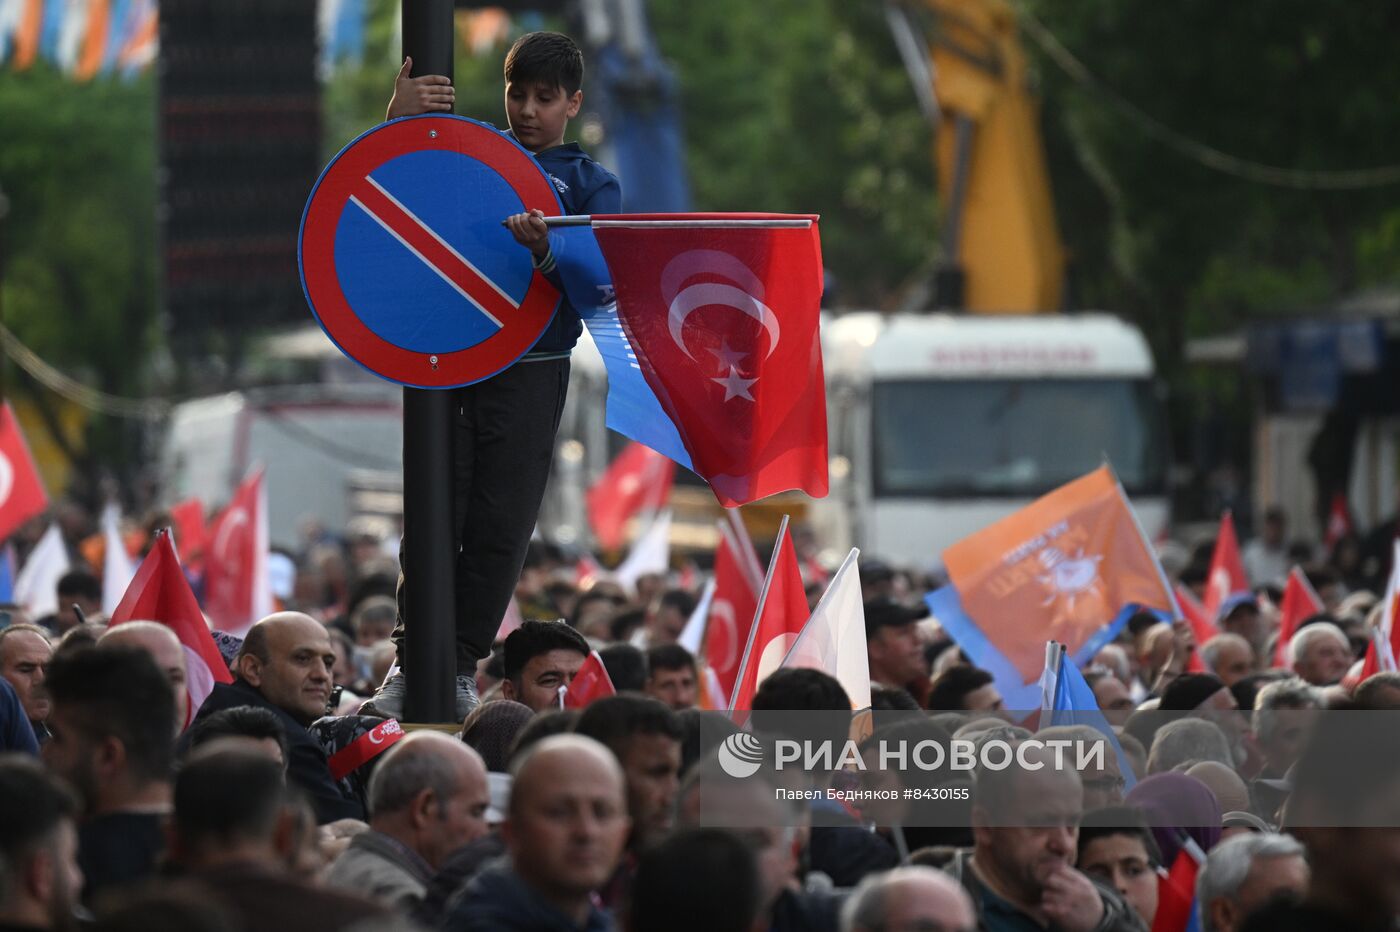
971 401
1001 252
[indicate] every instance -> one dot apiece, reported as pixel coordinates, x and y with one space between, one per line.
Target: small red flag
1338 521
191 533
735 602
782 613
590 683
638 479
1299 602
159 592
1228 585
1203 630
1176 895
236 588
22 494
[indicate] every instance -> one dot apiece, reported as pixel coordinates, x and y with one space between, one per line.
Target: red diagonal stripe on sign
434 251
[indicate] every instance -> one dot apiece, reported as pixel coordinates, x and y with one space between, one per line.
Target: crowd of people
276 805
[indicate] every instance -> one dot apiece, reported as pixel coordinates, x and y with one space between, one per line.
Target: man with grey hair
24 656
1114 658
1229 657
1245 873
1103 786
1320 654
427 798
908 898
1283 712
1188 740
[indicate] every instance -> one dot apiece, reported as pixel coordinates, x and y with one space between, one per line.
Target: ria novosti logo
740 755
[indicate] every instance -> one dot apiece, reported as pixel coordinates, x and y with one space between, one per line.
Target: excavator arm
1001 251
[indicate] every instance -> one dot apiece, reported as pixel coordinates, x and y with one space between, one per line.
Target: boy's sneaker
387 701
466 695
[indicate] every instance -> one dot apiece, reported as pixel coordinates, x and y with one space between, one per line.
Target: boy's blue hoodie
584 187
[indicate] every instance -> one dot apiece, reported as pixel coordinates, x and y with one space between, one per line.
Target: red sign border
316 250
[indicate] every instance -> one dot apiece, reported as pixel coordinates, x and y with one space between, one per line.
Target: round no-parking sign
404 259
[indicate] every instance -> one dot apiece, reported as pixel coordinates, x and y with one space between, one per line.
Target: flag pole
758 612
429 601
1050 676
584 220
743 547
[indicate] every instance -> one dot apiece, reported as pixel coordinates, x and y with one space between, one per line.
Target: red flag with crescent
159 592
22 494
639 478
236 589
731 611
782 613
722 313
1227 585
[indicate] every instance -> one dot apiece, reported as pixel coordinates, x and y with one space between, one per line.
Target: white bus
941 424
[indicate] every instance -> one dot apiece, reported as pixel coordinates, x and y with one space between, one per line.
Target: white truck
322 445
940 424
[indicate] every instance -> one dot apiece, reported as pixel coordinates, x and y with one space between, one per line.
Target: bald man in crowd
565 833
285 665
908 898
169 654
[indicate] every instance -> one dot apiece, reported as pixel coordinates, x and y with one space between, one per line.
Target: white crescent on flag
7 478
726 634
746 298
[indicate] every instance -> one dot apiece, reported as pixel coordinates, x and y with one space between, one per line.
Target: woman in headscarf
1174 804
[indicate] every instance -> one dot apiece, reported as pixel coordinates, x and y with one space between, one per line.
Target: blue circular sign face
405 262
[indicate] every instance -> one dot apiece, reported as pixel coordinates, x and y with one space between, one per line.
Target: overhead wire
1206 155
70 388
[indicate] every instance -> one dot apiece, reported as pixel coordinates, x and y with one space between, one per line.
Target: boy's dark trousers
503 445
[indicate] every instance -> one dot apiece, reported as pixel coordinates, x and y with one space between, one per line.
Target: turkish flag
640 478
160 592
1176 895
782 613
589 684
1227 585
1338 522
1195 616
1299 603
587 572
22 494
191 533
724 323
236 588
735 602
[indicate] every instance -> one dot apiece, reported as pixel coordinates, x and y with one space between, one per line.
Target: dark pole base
429 552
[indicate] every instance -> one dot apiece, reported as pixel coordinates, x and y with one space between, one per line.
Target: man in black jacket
113 724
285 665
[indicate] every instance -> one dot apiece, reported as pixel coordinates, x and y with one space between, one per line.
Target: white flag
36 587
693 635
118 569
650 554
833 640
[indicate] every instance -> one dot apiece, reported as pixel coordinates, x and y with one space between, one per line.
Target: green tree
78 168
1188 250
804 106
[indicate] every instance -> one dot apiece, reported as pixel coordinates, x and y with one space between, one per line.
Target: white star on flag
728 357
735 385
